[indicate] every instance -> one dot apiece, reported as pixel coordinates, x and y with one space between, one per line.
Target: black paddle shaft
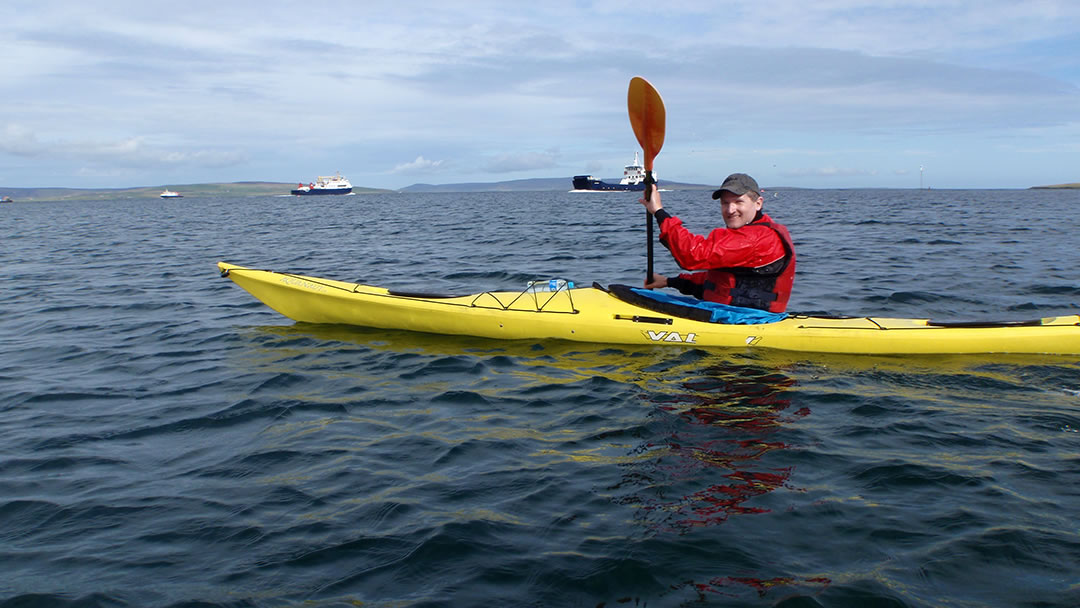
650 183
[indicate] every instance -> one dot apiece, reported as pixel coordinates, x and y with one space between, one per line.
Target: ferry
324 185
6 199
633 180
170 194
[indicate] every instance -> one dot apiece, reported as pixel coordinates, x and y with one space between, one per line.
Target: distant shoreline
154 192
282 189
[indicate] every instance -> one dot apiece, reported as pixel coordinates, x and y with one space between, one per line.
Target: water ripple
169 441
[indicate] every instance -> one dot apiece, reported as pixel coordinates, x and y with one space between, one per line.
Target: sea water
167 440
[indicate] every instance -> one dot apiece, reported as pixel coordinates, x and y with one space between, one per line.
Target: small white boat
170 194
324 185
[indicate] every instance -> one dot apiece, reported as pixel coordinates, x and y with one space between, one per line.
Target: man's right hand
658 281
653 204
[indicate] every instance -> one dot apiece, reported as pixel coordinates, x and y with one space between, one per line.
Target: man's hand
658 281
653 204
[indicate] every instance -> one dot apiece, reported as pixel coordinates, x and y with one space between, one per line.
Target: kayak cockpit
686 307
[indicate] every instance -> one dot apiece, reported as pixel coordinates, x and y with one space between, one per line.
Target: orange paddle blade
647 117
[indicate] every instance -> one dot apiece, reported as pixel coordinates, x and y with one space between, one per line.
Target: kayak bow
597 315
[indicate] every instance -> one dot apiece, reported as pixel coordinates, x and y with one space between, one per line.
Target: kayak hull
597 316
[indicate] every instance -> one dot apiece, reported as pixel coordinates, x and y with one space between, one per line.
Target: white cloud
488 85
827 172
523 161
419 165
20 141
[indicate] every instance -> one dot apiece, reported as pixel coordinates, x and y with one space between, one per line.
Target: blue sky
832 93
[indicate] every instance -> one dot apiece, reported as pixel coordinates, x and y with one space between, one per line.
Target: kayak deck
596 315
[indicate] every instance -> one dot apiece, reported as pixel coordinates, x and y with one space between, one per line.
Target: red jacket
751 266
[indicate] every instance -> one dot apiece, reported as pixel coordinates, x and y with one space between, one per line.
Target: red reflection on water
726 427
761 585
718 502
728 414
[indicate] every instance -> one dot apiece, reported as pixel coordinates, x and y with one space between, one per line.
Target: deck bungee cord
442 299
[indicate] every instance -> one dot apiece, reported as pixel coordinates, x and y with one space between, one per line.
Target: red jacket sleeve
747 247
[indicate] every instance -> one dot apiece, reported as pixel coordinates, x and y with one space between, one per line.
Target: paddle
647 117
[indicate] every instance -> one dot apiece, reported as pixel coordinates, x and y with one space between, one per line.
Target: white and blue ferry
633 179
324 185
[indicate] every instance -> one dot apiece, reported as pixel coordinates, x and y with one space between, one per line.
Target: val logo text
670 336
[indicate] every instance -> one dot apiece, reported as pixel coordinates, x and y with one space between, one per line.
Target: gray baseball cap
737 184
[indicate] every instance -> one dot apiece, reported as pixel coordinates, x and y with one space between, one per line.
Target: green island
146 192
1057 186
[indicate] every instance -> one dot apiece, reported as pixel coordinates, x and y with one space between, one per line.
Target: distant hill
517 185
560 184
1057 186
545 184
191 190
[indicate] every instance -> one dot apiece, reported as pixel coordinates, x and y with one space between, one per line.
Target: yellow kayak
598 315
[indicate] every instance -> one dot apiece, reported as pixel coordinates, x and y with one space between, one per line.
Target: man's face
739 210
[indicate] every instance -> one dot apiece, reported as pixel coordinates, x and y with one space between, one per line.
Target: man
750 263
